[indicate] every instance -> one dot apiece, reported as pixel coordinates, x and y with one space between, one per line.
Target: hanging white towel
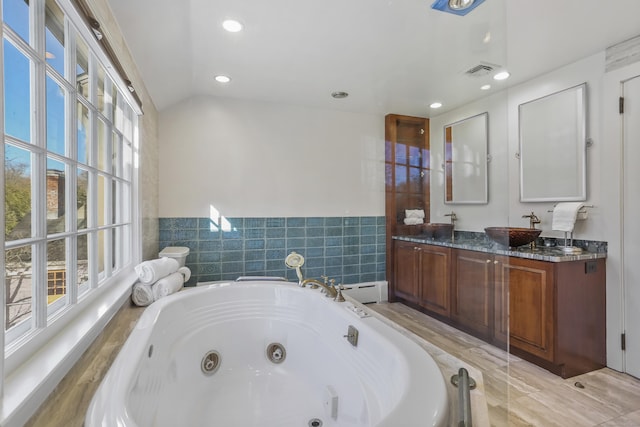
564 216
413 221
142 295
167 285
414 213
151 271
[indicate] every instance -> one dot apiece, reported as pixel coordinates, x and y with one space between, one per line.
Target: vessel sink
512 236
438 230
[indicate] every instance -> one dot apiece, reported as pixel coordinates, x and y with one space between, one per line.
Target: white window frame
24 343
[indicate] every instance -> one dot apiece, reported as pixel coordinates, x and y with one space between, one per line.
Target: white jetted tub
268 354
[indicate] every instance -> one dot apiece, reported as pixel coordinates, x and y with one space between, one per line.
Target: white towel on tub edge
154 270
142 295
167 285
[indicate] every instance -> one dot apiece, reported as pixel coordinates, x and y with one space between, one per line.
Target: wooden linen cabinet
407 166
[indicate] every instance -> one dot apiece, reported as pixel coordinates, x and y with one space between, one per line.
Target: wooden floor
517 393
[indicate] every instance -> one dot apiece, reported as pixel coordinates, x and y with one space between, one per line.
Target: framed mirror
465 156
553 147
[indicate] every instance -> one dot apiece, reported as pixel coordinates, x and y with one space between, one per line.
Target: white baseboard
368 292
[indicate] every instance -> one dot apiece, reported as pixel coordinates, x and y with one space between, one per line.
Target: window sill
29 383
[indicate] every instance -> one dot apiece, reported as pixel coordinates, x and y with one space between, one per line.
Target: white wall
258 159
504 207
473 217
591 71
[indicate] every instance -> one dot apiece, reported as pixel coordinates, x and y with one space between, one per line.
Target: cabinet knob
488 261
495 262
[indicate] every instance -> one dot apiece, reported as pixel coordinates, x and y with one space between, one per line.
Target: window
69 128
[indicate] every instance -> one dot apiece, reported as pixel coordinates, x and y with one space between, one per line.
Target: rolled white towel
414 213
167 285
151 271
564 216
142 294
413 221
186 273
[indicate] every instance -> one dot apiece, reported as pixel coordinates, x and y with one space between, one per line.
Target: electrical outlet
590 267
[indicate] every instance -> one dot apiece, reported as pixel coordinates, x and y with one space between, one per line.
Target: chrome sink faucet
533 220
330 290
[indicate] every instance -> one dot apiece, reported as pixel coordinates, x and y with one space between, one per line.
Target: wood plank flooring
519 393
516 392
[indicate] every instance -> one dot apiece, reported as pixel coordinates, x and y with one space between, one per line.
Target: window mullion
92 199
39 170
2 212
71 137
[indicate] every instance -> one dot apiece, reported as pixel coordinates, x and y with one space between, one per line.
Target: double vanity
544 305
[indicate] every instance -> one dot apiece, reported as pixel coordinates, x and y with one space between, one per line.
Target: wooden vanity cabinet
434 274
421 276
472 292
556 312
549 313
531 306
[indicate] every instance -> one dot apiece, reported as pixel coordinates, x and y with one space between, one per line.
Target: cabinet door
434 275
406 281
500 301
472 291
531 305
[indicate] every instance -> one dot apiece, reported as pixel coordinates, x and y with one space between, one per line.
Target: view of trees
17 202
17 207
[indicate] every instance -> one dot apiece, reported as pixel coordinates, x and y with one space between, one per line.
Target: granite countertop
480 243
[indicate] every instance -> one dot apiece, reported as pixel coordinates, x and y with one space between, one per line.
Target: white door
631 195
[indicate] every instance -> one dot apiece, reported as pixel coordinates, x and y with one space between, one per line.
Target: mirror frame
449 161
555 135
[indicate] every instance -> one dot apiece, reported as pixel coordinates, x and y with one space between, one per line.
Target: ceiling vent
480 70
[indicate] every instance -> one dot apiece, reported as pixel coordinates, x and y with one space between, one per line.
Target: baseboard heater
368 292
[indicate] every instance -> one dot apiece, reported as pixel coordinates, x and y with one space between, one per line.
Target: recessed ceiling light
458 7
232 25
502 75
436 105
460 4
485 87
222 79
339 95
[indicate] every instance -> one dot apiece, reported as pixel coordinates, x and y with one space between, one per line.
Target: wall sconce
457 7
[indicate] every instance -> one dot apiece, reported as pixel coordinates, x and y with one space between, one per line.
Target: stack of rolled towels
158 278
414 216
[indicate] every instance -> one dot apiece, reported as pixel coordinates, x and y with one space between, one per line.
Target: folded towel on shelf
151 271
186 273
167 285
413 221
414 213
142 295
564 216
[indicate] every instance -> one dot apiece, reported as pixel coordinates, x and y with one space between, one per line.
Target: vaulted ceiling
390 55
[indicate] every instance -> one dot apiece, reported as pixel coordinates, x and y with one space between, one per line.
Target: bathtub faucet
330 290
